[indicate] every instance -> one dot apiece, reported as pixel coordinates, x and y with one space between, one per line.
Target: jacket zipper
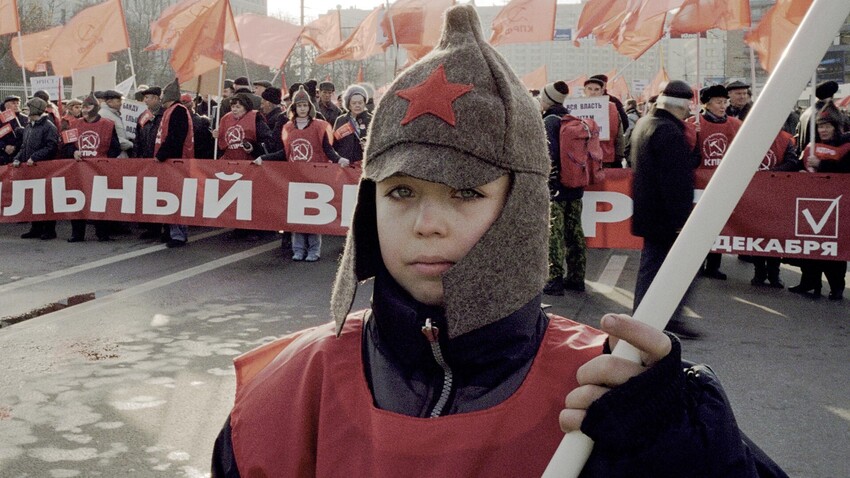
431 334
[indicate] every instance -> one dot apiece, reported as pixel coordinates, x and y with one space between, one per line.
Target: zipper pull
430 332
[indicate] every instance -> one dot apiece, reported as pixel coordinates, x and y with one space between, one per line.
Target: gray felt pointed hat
460 117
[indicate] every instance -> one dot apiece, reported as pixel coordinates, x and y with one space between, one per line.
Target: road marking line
611 274
99 263
140 289
759 306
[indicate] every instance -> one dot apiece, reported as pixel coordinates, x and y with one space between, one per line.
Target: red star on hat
433 96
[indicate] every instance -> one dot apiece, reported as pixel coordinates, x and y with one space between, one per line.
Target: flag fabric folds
89 38
414 22
775 30
9 20
323 33
201 43
265 41
630 26
697 16
36 47
617 86
596 14
535 80
361 44
174 20
524 21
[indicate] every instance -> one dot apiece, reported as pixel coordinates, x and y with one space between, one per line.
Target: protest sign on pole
596 108
125 86
103 76
130 112
50 84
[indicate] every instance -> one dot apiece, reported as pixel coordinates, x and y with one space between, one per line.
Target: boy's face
424 228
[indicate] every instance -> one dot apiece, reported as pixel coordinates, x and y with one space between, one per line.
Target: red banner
780 214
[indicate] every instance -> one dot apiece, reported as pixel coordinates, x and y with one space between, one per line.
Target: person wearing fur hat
352 128
174 140
242 133
566 236
613 149
10 141
832 155
39 142
455 370
711 136
325 103
94 137
823 91
305 138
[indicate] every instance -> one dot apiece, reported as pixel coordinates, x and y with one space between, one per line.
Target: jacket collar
497 348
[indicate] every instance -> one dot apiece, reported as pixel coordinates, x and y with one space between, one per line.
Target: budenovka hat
90 100
460 117
171 92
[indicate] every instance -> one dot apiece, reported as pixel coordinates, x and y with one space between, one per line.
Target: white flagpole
813 117
392 30
23 62
132 68
731 178
220 101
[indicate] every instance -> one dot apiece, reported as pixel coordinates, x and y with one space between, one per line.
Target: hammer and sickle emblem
89 141
302 150
234 135
715 146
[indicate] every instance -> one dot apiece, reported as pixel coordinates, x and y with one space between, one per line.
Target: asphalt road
132 375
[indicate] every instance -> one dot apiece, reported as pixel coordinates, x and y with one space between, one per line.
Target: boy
455 370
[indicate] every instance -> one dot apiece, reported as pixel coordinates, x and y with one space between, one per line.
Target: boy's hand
606 371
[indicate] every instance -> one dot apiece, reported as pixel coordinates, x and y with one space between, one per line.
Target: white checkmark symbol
818 225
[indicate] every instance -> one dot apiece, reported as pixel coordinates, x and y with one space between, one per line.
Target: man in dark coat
325 105
174 140
662 184
10 139
201 129
39 142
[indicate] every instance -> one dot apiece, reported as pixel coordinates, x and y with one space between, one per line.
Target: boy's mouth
431 266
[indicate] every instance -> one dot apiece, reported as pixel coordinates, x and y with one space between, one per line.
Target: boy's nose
430 220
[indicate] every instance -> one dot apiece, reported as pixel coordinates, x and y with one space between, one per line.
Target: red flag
775 30
655 86
323 33
596 13
201 44
361 44
635 37
524 21
36 47
89 38
415 53
174 20
414 22
264 40
6 129
9 21
617 86
535 80
697 16
577 84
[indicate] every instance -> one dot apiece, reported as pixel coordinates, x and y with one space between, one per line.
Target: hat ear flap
361 258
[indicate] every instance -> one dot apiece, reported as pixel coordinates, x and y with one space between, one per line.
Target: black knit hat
42 94
678 89
713 91
272 95
241 81
600 80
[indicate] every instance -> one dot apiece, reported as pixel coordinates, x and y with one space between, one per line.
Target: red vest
776 154
162 132
303 409
714 139
93 138
609 148
233 132
306 144
827 152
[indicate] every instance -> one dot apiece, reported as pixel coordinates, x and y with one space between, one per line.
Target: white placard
104 79
50 84
595 107
638 85
130 112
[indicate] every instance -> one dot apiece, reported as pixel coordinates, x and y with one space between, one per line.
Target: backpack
581 152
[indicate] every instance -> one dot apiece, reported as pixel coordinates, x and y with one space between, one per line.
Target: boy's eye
468 194
400 192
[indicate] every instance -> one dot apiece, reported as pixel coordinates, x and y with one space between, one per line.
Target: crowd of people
663 185
260 122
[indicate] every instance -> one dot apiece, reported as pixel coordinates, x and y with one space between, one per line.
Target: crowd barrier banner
795 215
